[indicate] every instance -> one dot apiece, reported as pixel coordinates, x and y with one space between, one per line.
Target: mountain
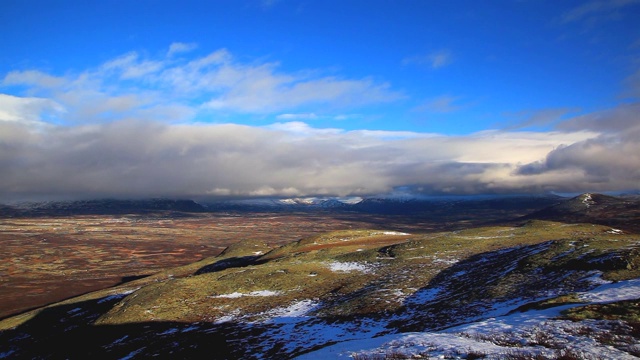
405 205
537 290
413 206
100 207
448 205
594 208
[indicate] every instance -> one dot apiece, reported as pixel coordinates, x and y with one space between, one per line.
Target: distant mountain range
99 207
372 205
585 208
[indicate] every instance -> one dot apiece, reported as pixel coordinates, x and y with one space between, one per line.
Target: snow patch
296 309
132 354
587 200
349 266
397 233
169 331
232 316
493 335
622 290
116 296
236 295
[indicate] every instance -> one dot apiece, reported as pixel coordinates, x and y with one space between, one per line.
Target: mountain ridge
375 205
594 208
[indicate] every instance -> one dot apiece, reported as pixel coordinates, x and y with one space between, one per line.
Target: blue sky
512 94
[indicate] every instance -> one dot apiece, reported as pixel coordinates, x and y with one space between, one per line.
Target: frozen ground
533 332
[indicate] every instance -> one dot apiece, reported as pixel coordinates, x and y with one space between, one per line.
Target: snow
622 290
169 331
349 266
308 332
296 309
497 335
587 200
397 233
190 328
232 315
424 296
117 296
236 295
449 261
132 354
6 354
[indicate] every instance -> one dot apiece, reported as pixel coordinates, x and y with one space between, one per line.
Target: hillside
594 208
365 292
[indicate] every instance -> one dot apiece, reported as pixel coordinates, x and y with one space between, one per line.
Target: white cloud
435 60
346 116
144 158
301 128
441 104
34 78
28 109
132 86
262 90
302 116
179 47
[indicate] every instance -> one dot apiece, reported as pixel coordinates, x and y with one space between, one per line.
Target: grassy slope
389 277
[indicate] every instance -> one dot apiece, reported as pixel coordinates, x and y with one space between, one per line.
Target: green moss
628 310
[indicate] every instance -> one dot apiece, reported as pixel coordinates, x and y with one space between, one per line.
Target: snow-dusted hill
530 334
542 289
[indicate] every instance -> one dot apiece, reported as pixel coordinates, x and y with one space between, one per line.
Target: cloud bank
145 158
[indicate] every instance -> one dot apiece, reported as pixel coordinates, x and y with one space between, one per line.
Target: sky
298 98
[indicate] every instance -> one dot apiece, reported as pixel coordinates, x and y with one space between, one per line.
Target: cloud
262 90
435 60
600 164
28 109
133 86
33 78
178 47
148 158
632 83
124 129
304 116
596 10
441 104
608 161
619 120
537 117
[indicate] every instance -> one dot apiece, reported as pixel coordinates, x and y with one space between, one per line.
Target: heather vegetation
525 289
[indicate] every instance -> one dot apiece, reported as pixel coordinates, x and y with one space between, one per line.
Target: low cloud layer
145 158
